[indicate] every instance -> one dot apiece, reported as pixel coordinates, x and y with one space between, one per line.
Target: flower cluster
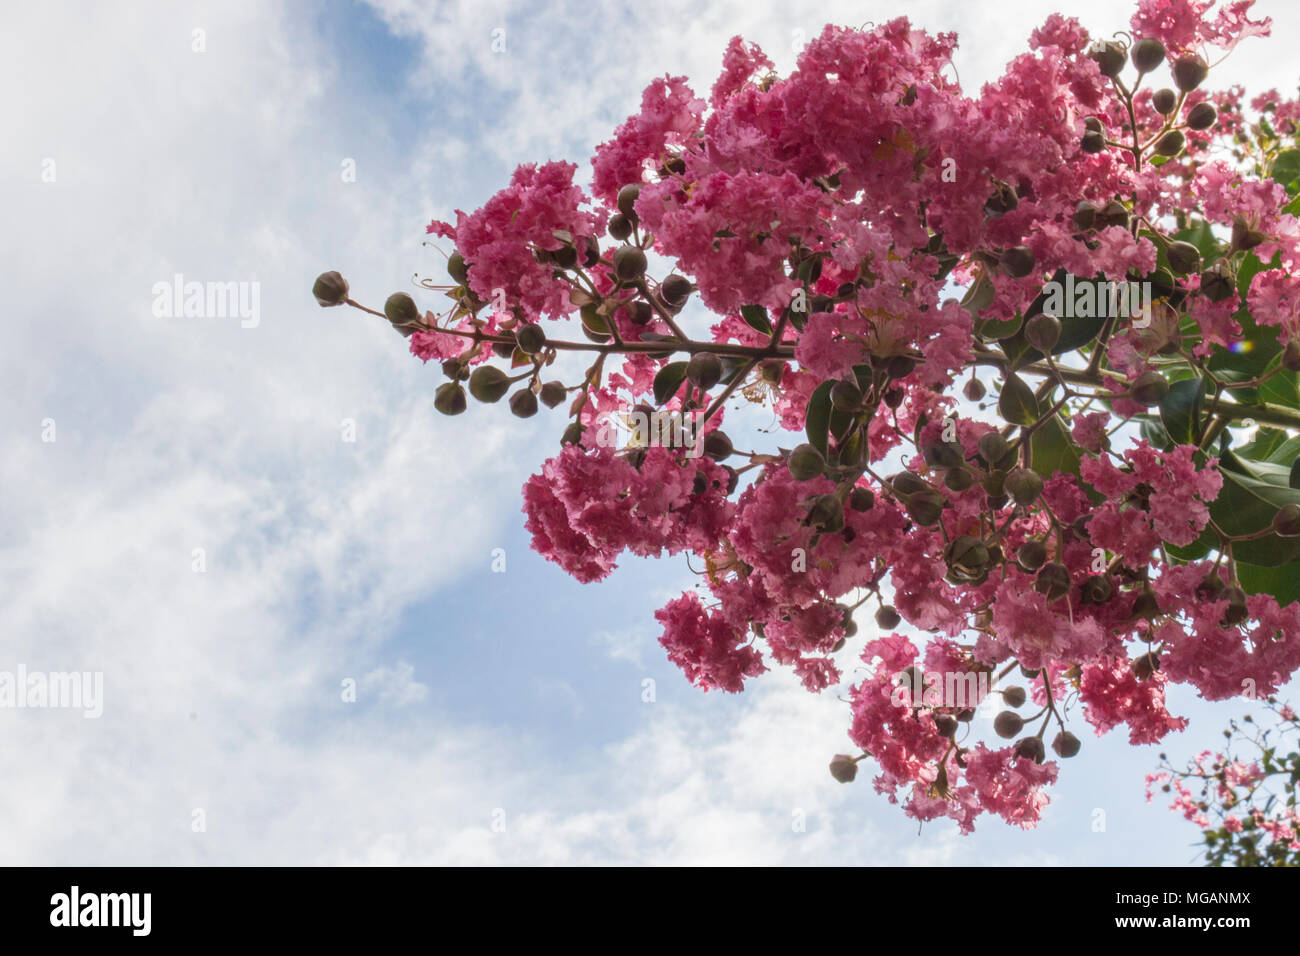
851 246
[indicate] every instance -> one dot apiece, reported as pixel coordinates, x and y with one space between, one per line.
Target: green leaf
1246 505
1180 411
755 317
668 381
979 296
817 418
1282 582
1051 449
1017 403
1283 388
1286 170
1077 331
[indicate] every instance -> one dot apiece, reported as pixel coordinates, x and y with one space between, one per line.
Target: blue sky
482 696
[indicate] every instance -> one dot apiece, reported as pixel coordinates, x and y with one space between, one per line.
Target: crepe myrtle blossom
950 473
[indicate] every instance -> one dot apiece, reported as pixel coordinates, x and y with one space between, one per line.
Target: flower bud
1007 724
1031 555
675 290
1145 666
619 227
1024 485
1190 71
946 724
887 618
1286 523
1066 744
905 483
401 309
1030 748
844 768
1043 331
1109 57
1148 54
1237 611
826 513
973 390
1145 605
1243 236
454 370
1183 258
924 507
330 289
629 263
1171 143
1202 116
862 499
530 338
523 403
627 197
1097 589
806 462
572 434
992 447
1053 581
1092 142
1114 213
1164 101
1017 262
718 446
450 399
1150 388
704 370
488 383
958 479
1291 356
457 268
553 393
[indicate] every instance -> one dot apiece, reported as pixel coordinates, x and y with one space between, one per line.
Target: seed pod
992 447
572 434
1030 748
1183 258
1291 356
887 618
1092 142
1243 236
1031 555
1150 388
1066 744
1109 57
1237 611
523 403
1053 581
862 499
1003 200
846 396
924 507
1190 71
1085 214
1145 605
1007 724
488 383
330 289
973 390
1286 523
503 349
946 724
457 268
619 227
1043 331
967 553
1217 283
1148 54
1145 666
401 309
1093 124
1164 101
1014 696
629 263
639 312
806 462
454 370
1017 262
717 446
675 290
1114 213
844 768
1202 116
530 338
627 197
1024 485
1171 143
893 397
553 393
450 399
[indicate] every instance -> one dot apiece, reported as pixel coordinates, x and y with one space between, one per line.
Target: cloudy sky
235 519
